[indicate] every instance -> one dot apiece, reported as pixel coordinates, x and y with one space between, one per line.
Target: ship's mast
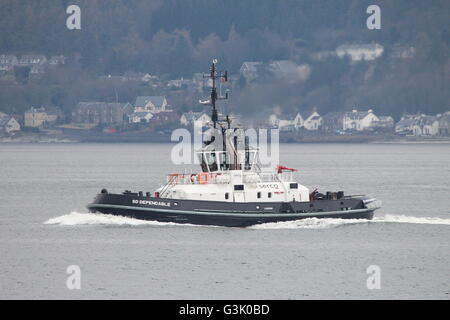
214 75
224 122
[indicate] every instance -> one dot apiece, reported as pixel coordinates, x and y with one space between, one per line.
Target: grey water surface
45 228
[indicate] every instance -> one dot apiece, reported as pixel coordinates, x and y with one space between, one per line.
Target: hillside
178 38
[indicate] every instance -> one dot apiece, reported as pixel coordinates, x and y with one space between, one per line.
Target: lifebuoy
203 178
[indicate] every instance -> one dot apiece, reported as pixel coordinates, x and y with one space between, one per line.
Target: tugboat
232 189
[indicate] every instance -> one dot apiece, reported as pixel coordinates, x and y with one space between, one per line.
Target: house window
269 195
258 195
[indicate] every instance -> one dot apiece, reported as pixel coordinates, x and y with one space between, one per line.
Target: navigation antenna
214 75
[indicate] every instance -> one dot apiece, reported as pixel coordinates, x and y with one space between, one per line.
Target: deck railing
224 177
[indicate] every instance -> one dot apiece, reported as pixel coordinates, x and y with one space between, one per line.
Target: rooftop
357 115
141 101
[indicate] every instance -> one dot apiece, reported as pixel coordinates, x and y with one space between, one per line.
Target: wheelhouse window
224 161
238 187
269 195
249 159
294 185
258 195
227 196
211 161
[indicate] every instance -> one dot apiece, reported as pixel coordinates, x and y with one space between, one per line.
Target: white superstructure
234 175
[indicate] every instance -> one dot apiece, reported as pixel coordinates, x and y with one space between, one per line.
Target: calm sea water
44 228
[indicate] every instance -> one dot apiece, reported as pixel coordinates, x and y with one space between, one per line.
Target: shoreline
40 138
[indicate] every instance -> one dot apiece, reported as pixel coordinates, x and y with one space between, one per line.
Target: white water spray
315 223
77 219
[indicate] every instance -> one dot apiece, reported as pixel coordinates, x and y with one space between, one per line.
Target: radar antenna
214 75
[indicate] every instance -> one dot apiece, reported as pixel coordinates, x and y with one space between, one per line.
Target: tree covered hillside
177 38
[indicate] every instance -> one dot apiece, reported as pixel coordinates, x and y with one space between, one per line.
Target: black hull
228 214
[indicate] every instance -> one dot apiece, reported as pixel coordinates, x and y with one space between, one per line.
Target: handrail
166 187
192 179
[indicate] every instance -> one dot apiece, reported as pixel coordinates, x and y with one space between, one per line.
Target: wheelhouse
220 161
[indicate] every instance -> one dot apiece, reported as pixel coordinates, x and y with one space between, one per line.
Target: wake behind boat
232 189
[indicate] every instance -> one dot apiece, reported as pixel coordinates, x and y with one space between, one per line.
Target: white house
406 124
57 60
418 125
298 121
148 78
416 128
313 122
7 62
444 124
37 63
179 83
359 120
430 126
153 104
140 117
288 123
9 124
190 117
384 122
358 52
